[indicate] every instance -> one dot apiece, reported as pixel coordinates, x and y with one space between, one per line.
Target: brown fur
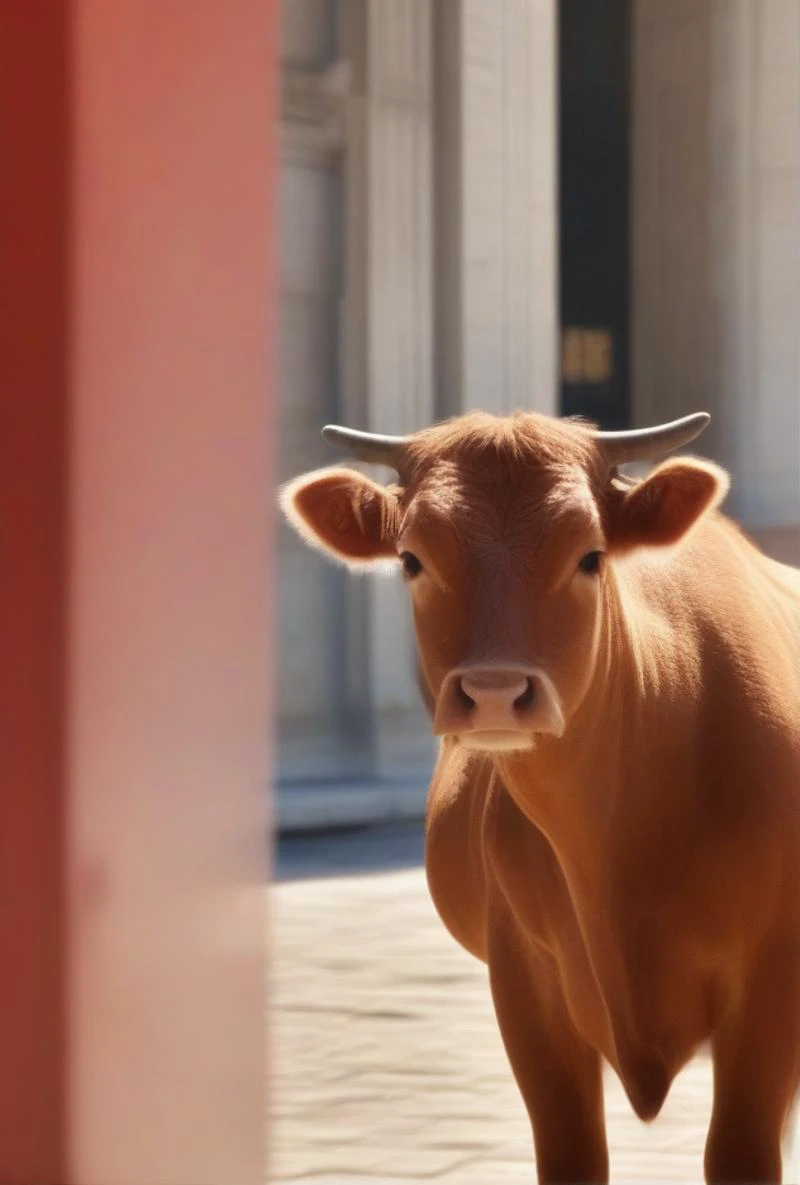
634 884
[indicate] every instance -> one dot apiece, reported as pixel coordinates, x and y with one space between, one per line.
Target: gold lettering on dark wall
587 355
571 356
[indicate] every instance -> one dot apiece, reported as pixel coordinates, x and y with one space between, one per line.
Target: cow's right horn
645 444
366 446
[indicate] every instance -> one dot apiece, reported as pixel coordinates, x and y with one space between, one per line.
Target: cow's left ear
665 506
344 514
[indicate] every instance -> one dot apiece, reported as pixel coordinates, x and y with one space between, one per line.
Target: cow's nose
497 698
496 692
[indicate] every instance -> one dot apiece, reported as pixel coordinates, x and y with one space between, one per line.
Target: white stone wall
450 293
388 313
497 263
309 589
716 235
439 118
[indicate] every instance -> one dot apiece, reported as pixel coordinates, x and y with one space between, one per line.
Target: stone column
451 294
388 379
716 201
497 226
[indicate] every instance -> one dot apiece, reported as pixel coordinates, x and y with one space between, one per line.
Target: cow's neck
573 788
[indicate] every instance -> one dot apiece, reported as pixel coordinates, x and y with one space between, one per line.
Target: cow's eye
591 562
411 565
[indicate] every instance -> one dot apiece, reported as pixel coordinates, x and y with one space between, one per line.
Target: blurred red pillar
136 337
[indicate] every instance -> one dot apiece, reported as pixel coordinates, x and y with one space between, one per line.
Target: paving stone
422 1163
490 1172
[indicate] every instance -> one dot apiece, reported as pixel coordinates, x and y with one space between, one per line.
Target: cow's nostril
525 700
465 700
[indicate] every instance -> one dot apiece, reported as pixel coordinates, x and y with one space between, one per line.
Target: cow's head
504 528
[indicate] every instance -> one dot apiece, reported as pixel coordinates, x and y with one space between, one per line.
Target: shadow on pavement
347 852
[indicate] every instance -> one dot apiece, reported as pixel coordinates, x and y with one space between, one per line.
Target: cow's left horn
645 444
366 446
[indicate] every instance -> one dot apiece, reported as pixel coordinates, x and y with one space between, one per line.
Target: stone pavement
387 1064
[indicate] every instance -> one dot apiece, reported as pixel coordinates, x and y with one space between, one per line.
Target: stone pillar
135 497
716 201
451 298
497 226
388 380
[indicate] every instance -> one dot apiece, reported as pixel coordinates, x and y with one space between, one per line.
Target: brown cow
614 819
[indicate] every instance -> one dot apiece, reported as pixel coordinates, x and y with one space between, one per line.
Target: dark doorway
594 249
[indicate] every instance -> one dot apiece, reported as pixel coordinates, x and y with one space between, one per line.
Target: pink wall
136 590
33 395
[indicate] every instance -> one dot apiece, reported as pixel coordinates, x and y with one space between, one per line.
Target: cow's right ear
665 505
344 514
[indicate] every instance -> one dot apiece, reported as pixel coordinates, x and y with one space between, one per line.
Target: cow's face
504 530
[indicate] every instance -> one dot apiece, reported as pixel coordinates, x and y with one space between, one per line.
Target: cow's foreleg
756 1054
558 1073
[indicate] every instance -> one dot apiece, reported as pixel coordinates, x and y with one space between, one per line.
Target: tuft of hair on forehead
480 439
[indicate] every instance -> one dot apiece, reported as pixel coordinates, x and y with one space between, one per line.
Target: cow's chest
636 985
634 975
